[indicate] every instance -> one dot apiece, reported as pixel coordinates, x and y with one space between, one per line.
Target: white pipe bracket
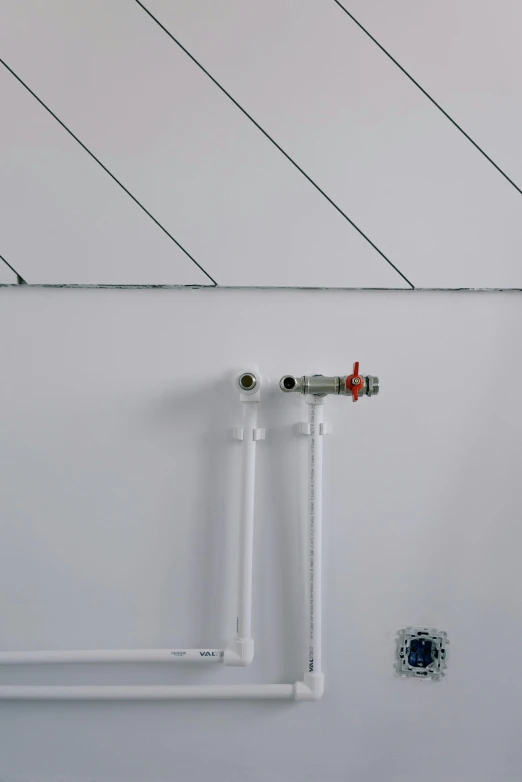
238 433
255 397
303 427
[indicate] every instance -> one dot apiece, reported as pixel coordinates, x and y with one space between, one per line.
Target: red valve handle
354 382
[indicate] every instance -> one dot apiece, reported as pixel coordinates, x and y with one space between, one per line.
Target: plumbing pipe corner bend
239 652
311 688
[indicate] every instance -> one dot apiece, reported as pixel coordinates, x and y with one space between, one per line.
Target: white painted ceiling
178 186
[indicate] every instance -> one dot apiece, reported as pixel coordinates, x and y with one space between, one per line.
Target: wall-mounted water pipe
240 650
311 687
316 388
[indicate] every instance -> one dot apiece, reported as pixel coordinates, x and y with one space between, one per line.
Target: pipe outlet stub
288 383
247 382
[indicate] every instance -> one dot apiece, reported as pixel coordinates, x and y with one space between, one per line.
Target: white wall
118 484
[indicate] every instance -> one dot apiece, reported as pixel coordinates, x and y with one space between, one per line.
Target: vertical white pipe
246 532
315 534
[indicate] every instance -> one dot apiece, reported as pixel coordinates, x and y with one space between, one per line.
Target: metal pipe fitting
321 385
247 382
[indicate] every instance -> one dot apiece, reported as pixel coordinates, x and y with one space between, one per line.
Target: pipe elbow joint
311 688
240 652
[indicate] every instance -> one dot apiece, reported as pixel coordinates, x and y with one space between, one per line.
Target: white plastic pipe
312 686
246 534
315 534
113 656
163 692
241 651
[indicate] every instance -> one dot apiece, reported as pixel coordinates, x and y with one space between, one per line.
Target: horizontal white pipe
113 656
155 692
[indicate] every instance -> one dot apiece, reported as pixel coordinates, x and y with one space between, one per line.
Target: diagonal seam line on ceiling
428 96
104 167
20 280
126 287
276 145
